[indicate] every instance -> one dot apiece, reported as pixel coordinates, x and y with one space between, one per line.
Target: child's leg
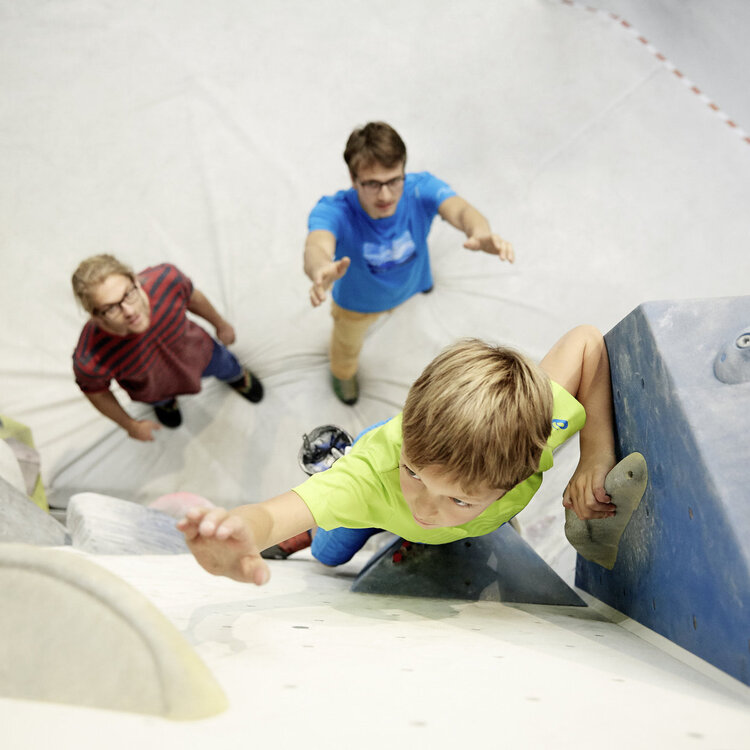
349 329
338 546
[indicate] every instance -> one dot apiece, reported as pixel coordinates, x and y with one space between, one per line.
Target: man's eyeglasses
375 186
114 311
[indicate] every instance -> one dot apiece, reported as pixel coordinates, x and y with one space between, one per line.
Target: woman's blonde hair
482 413
92 272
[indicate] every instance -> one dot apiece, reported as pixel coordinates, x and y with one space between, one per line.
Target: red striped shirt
165 360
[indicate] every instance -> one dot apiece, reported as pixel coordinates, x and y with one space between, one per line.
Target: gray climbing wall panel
500 566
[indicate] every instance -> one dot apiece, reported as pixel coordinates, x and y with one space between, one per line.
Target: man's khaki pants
349 329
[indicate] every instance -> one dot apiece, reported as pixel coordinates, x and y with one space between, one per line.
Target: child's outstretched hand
585 494
224 545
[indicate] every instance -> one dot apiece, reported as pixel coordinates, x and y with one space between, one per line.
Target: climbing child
466 455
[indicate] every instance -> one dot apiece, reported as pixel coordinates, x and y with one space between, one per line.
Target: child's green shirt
362 489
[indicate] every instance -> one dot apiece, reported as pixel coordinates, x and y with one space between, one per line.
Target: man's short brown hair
375 143
92 272
482 413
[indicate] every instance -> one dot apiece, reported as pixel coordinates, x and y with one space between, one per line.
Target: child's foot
169 414
346 389
282 550
321 447
597 539
248 386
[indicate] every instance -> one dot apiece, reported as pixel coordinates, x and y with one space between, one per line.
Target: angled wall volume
499 567
683 567
72 632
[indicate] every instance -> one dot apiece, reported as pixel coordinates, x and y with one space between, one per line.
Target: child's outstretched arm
579 363
229 542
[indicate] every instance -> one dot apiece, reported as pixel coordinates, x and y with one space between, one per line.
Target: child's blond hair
482 413
92 272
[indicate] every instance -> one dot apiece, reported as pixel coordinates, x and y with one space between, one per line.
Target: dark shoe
347 390
282 550
169 414
248 386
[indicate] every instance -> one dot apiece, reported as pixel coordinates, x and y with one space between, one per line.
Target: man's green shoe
346 390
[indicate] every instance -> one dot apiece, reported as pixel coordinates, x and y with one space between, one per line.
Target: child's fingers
601 496
598 510
586 501
254 570
197 513
188 528
210 521
598 501
189 525
234 527
590 507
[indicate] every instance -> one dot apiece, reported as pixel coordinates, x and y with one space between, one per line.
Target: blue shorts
337 546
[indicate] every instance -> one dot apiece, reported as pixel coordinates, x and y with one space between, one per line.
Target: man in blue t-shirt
370 242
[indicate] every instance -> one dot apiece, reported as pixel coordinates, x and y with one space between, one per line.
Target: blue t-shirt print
381 258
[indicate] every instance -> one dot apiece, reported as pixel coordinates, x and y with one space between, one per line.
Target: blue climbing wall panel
683 568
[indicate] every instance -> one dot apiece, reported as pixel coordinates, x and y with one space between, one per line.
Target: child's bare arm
229 543
579 363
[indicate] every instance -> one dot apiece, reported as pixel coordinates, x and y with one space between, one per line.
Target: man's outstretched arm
106 402
461 214
320 267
